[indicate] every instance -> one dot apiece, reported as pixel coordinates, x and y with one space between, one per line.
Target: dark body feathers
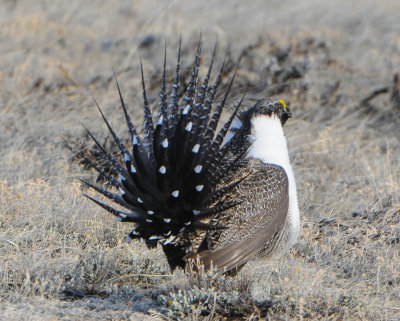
186 186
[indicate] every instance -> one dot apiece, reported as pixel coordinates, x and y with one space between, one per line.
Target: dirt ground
337 65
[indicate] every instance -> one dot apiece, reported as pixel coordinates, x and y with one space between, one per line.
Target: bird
217 194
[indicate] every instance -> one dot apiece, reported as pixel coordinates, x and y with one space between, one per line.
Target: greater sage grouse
217 195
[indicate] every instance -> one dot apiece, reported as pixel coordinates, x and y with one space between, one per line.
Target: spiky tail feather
170 180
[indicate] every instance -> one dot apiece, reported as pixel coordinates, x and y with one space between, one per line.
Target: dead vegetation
64 258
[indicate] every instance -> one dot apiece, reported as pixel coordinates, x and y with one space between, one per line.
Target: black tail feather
115 212
124 151
205 115
201 113
131 127
174 99
120 201
148 127
212 126
191 89
162 106
111 160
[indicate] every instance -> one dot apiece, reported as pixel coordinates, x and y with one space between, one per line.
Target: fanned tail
170 180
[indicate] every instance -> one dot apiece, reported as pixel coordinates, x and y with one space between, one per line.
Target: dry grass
64 258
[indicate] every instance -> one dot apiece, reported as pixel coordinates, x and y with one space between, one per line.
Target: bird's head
273 115
269 108
274 110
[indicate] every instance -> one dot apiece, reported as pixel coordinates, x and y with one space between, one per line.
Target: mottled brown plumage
255 225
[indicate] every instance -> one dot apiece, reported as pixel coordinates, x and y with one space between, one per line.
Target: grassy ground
62 258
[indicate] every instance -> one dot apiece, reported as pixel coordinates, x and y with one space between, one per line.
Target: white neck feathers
269 143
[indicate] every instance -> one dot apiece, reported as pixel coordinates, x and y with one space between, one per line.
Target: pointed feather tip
89 197
115 76
83 181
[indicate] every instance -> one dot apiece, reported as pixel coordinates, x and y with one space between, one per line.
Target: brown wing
255 224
